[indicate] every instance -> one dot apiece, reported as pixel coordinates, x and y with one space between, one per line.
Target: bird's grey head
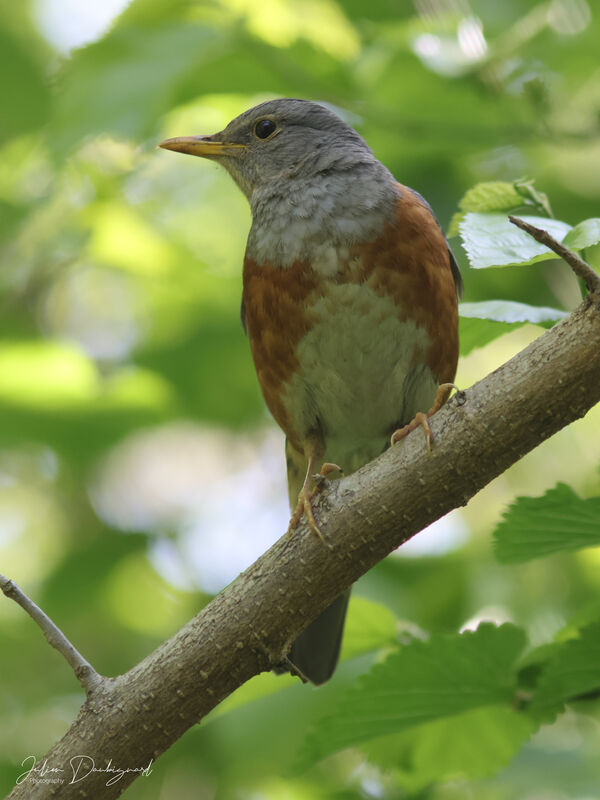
280 139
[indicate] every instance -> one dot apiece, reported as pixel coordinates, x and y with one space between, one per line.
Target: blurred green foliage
133 440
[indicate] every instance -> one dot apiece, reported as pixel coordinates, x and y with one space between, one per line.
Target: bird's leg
314 451
422 420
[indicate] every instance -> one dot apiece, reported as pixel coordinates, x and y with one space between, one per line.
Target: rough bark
247 627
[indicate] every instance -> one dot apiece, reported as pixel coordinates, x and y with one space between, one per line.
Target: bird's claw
304 504
422 420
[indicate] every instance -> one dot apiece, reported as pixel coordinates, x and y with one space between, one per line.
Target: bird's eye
264 128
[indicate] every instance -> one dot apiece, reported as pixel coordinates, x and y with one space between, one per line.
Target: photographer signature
80 768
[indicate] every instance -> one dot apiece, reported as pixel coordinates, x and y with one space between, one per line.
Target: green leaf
491 196
512 312
369 626
453 228
474 744
481 323
574 671
475 333
490 240
583 617
533 662
538 526
422 682
586 234
532 197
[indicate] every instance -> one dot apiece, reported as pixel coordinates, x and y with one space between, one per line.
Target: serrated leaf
474 744
574 671
538 526
490 240
491 196
422 682
586 234
494 196
481 323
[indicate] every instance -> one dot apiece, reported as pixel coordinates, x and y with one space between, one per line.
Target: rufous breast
359 349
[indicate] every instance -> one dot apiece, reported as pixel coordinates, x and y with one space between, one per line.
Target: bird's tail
316 651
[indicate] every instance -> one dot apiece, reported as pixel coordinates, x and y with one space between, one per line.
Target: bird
349 301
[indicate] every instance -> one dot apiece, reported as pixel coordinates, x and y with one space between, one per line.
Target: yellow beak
201 146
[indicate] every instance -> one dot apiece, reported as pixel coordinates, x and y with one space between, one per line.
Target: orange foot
305 497
422 420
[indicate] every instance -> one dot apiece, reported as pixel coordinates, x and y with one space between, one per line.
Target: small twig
293 669
84 672
589 276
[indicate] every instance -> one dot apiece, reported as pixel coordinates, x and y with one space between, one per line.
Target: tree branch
249 626
84 672
589 276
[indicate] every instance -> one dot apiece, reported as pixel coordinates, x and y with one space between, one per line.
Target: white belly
356 380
